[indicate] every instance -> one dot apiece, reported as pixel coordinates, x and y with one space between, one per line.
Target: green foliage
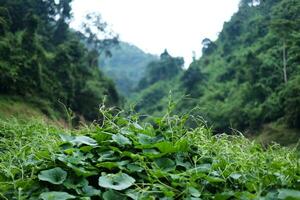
55 176
56 196
42 58
162 159
120 181
161 79
290 100
239 82
18 108
166 68
27 147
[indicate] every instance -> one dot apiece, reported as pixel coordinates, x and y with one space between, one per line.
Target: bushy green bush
290 100
125 159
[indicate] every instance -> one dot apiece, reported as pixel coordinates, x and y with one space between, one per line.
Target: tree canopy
42 58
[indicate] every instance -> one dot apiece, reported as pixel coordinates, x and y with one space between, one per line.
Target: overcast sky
155 25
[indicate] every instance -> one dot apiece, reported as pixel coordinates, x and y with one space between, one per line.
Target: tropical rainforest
247 78
44 61
86 116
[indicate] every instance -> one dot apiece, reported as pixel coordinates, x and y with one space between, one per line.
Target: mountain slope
42 58
239 82
126 66
243 82
161 78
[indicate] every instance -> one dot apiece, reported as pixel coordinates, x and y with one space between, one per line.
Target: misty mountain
126 66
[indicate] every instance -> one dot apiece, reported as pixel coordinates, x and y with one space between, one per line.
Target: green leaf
55 176
75 158
166 147
287 194
182 145
125 131
86 149
118 181
137 126
75 182
108 165
121 140
235 176
148 140
113 195
165 164
151 153
224 195
202 168
102 137
134 168
271 195
194 192
79 140
90 191
180 161
66 138
245 195
145 139
81 171
107 156
213 179
56 196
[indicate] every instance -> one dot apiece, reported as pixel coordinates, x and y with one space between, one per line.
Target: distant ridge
126 66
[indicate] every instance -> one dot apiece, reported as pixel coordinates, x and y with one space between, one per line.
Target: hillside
43 60
249 77
152 92
243 84
16 107
126 66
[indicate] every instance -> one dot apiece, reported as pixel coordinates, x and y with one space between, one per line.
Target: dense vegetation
124 159
160 78
249 76
43 59
126 66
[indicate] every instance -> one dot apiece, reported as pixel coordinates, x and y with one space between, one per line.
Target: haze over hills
126 66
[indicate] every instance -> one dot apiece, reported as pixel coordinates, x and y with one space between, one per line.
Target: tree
42 58
249 3
97 36
5 21
208 46
284 25
283 29
166 68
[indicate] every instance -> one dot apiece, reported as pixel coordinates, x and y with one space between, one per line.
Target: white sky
155 25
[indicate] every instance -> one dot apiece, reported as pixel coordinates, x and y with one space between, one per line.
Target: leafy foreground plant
121 159
26 147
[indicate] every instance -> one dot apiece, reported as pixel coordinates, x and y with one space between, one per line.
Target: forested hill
161 77
42 59
126 66
249 76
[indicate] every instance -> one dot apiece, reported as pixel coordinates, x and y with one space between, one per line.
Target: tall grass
161 159
25 148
